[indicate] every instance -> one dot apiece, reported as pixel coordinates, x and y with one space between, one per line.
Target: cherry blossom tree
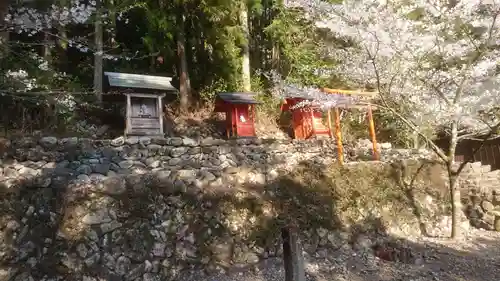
32 21
438 58
52 21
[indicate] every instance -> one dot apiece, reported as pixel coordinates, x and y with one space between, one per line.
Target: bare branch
414 127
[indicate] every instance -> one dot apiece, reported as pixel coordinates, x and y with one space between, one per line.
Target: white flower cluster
438 58
43 64
31 20
66 103
21 77
312 96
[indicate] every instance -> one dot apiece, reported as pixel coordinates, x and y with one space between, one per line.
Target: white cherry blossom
32 21
438 58
441 62
25 19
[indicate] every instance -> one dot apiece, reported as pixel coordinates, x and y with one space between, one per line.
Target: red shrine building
239 109
307 120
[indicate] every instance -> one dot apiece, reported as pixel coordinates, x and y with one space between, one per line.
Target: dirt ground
475 258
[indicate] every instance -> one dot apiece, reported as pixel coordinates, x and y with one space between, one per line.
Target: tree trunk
245 67
61 43
112 16
47 46
184 82
4 32
98 53
62 48
152 63
202 55
456 206
275 57
454 186
416 138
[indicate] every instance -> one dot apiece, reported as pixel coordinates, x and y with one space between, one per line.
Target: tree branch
439 152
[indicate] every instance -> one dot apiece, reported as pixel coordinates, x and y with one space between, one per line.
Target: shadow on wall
154 226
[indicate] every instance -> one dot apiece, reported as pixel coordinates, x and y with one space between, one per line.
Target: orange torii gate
371 124
307 119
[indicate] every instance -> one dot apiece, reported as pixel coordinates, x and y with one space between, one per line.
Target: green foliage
269 107
300 48
281 39
35 73
148 29
208 93
160 28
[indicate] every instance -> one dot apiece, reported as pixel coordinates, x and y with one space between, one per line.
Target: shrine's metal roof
137 81
239 97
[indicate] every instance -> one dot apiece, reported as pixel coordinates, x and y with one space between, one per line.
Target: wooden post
229 116
303 123
160 114
128 125
338 136
313 128
372 133
329 116
254 117
236 121
292 255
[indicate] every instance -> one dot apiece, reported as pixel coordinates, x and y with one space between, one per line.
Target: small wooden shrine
144 94
307 119
240 113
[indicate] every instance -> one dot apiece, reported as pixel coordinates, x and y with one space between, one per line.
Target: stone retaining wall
481 195
146 209
87 159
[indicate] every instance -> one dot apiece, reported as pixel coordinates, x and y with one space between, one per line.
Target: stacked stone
480 192
133 209
88 160
144 209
